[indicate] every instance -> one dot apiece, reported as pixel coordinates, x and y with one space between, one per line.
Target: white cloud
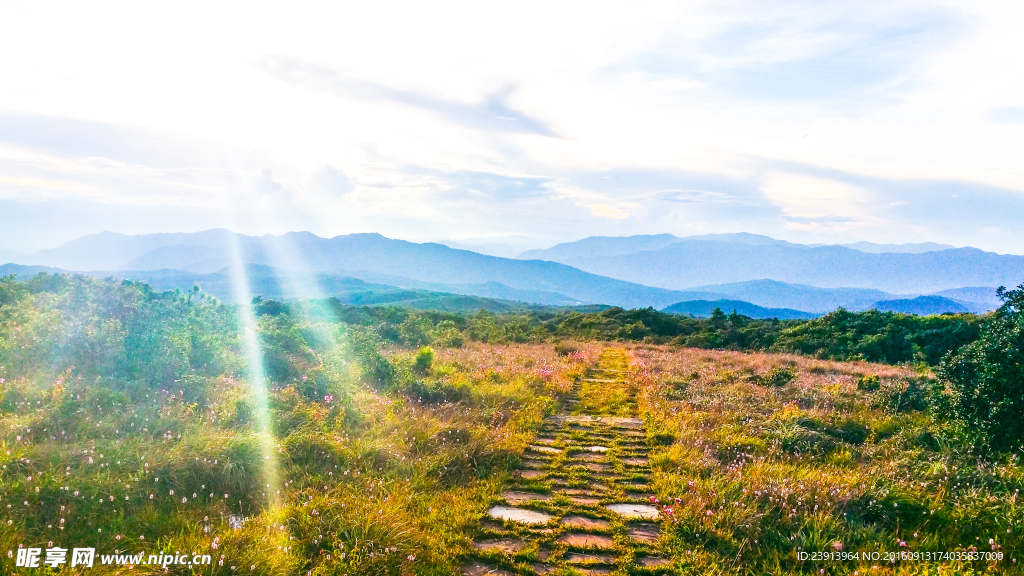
605 211
395 116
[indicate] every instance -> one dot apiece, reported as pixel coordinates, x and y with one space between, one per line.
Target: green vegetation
987 377
874 336
758 473
128 421
132 420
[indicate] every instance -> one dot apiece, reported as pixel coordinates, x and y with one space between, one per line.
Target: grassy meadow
137 422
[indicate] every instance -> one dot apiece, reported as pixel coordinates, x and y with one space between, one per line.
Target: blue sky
524 124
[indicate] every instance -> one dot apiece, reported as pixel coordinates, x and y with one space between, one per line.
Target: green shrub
869 383
774 377
566 348
986 377
424 360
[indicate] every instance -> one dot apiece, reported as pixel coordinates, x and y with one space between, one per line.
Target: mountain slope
694 263
355 255
922 306
704 308
775 294
271 283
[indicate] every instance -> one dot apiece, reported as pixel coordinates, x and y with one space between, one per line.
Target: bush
986 377
424 359
566 348
363 344
774 377
869 383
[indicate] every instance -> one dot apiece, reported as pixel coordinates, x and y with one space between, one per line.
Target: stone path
580 499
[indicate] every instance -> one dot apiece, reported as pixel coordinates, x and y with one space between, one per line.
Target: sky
514 125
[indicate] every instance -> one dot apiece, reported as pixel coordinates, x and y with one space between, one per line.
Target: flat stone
578 492
645 532
545 449
653 562
503 545
545 441
567 419
596 571
532 474
588 457
636 488
600 449
535 464
582 540
541 568
622 422
519 515
514 497
635 511
584 522
478 569
585 500
635 461
576 558
595 467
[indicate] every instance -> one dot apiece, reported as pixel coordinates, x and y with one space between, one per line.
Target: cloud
328 181
492 114
1007 114
605 211
126 144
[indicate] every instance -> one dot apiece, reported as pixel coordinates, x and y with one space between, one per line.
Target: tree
986 377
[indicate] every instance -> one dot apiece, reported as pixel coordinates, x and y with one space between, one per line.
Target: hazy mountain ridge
922 305
272 283
704 308
696 263
358 255
604 246
644 278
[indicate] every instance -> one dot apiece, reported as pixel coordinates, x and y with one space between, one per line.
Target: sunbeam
256 377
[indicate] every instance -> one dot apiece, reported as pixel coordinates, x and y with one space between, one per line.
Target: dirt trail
580 498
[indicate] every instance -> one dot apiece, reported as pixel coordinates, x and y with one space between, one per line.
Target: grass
388 484
769 455
765 472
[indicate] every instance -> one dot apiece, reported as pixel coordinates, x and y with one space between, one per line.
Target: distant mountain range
704 308
272 283
656 271
665 261
922 305
370 257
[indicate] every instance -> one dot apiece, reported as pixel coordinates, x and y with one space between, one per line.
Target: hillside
638 271
365 256
704 308
271 283
922 306
694 263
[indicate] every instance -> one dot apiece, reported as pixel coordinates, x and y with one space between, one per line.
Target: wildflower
172 492
654 499
838 546
410 558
